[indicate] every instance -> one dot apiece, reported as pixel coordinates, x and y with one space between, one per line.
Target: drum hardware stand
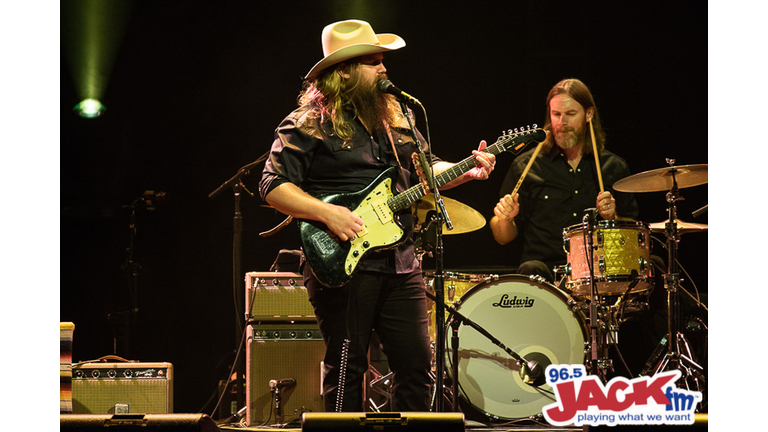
382 385
596 365
679 355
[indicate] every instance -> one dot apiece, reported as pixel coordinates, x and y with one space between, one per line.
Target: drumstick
597 157
525 171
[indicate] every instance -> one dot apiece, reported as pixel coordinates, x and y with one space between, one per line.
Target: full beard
372 106
568 138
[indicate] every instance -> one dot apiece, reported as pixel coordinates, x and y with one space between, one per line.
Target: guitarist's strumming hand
342 222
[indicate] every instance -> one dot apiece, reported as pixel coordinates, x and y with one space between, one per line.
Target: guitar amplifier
277 296
122 388
277 351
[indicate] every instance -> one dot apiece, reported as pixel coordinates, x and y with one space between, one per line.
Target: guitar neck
514 142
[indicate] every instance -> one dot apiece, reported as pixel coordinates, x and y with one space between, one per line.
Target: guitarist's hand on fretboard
485 163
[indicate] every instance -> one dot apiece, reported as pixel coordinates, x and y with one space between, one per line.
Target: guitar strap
392 143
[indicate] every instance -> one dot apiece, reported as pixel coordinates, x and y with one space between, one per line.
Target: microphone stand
440 218
238 279
531 369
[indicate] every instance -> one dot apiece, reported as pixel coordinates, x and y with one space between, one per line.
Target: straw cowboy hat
344 40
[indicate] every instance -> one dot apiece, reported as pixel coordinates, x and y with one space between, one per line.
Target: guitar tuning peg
515 130
535 126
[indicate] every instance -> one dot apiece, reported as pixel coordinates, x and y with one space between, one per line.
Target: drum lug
643 264
641 238
599 237
601 264
567 245
568 269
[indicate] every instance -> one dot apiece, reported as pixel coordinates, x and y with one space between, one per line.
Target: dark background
194 90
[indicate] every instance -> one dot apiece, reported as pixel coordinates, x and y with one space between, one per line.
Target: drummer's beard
569 137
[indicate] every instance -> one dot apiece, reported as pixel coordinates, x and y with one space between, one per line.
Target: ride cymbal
663 179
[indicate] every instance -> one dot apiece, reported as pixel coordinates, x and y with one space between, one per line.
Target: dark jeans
395 307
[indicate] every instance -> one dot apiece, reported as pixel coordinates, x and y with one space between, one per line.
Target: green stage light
90 108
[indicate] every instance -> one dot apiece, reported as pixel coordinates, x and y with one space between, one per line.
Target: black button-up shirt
554 195
308 154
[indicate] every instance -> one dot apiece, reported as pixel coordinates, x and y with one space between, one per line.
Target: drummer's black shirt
554 196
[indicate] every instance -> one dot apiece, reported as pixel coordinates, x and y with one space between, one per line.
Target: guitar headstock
515 140
516 132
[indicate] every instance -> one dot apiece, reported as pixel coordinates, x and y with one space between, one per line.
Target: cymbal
464 218
682 227
662 179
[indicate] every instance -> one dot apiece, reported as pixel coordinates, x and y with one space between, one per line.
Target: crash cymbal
662 179
464 218
682 227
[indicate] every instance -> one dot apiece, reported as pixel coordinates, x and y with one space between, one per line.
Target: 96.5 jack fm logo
584 400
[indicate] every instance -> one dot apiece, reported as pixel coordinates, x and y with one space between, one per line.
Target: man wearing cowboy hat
344 134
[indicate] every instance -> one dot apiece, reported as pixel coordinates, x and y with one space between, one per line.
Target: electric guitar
334 262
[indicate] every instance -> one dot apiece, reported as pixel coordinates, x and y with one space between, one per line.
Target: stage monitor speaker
137 422
385 421
282 352
122 388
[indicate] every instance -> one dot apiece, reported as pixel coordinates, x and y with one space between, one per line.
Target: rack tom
621 258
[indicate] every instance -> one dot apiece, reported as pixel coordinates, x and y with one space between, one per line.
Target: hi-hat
663 179
682 227
464 218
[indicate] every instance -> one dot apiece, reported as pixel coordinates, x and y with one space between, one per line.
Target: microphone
386 86
282 383
532 369
590 215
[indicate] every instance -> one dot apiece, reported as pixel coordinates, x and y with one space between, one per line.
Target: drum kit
501 331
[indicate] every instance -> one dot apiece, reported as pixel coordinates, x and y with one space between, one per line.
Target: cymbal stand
679 355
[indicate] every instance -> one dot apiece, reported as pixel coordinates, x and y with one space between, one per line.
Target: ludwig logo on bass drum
514 302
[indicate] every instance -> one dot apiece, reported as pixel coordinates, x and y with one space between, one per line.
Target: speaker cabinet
122 388
280 352
387 421
137 422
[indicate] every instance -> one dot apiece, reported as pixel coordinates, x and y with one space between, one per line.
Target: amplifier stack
284 350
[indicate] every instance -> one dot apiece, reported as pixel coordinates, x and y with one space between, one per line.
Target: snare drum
532 318
620 248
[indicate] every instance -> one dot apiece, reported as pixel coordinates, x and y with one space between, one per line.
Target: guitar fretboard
514 142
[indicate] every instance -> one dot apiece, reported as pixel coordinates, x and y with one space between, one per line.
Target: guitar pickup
382 212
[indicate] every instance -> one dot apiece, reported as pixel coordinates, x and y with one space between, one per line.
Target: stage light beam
91 34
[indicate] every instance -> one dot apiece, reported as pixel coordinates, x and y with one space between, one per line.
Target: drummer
561 183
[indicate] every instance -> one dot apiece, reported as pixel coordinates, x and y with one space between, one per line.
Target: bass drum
532 318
